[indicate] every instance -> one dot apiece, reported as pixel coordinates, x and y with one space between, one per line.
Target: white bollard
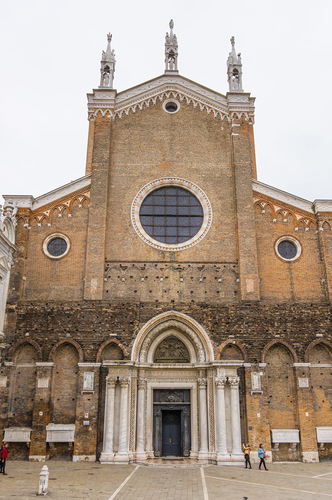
43 481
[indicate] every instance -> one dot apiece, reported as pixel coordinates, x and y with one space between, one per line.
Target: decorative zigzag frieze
285 213
57 209
133 106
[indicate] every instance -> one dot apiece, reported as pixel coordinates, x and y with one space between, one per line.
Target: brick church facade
167 303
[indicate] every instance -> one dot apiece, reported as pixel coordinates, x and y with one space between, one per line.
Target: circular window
171 214
288 248
171 106
56 246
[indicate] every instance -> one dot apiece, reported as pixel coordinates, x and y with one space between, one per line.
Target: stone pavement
82 480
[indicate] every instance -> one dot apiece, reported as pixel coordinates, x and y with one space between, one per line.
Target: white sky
50 58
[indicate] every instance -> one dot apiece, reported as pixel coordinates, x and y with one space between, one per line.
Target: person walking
4 455
262 456
246 451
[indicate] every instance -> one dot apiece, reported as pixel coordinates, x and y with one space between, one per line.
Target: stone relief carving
171 396
171 350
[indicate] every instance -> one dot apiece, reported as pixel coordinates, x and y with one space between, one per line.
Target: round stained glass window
288 248
56 246
171 215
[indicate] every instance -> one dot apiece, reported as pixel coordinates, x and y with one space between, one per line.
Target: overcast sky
50 58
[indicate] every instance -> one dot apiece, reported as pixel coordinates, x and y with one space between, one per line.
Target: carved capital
124 382
234 382
111 382
220 382
202 383
141 383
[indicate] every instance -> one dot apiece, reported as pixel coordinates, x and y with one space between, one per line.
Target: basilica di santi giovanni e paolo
167 303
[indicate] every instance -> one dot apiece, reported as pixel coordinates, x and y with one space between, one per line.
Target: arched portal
170 399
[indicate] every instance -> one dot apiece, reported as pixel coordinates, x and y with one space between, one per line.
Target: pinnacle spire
107 66
234 69
171 51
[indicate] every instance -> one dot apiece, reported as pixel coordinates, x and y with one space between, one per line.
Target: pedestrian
4 455
262 456
246 451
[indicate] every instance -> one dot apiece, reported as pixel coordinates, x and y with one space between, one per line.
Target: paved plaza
68 480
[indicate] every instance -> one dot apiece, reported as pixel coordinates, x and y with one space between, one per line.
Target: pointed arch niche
172 324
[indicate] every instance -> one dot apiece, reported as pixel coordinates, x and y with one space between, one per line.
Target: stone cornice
282 196
29 202
164 87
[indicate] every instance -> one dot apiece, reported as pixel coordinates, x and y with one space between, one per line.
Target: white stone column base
84 458
310 456
106 458
140 455
121 458
204 457
231 459
222 457
37 458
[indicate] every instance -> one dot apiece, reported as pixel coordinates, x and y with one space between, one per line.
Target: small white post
43 481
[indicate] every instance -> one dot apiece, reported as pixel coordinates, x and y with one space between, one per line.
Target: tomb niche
171 350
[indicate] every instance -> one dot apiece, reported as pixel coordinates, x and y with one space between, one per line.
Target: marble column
109 419
221 417
140 418
235 413
157 427
186 432
203 421
123 435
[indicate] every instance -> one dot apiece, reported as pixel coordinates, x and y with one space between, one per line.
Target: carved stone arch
282 343
21 221
323 343
188 330
59 209
236 344
71 342
109 343
326 226
16 348
80 199
9 229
